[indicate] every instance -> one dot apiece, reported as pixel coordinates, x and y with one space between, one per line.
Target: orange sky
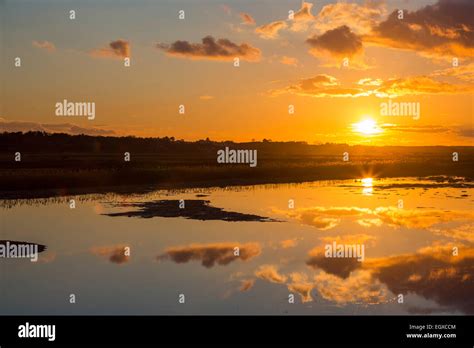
335 63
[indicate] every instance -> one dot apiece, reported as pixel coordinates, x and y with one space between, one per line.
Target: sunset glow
367 127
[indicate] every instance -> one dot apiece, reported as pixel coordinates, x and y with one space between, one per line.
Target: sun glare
367 127
367 186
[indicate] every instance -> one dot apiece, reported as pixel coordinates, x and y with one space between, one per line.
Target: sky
334 63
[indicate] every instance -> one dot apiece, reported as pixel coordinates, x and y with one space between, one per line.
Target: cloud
325 218
461 72
369 82
433 272
360 287
300 285
360 238
289 61
319 86
340 42
246 284
270 273
339 266
45 45
304 13
359 17
323 85
116 49
418 218
440 29
68 128
206 97
419 85
288 243
226 9
115 253
466 132
463 232
370 222
270 30
247 19
212 49
211 254
417 129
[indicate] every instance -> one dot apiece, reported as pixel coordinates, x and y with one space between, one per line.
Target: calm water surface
408 250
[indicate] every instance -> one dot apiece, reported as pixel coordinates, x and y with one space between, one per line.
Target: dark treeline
40 142
62 164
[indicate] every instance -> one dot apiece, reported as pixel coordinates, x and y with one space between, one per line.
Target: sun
367 127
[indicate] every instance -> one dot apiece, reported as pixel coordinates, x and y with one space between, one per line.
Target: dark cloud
466 132
444 28
341 267
340 42
432 273
116 49
114 253
210 254
210 48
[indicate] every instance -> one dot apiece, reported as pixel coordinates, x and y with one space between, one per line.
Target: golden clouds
419 218
319 86
211 49
418 85
300 285
289 61
359 17
270 273
359 288
325 218
323 85
288 243
211 254
270 30
304 13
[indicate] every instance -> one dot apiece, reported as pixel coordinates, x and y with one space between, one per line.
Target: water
408 251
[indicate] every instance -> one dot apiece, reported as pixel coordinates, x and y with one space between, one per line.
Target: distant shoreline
51 182
59 164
